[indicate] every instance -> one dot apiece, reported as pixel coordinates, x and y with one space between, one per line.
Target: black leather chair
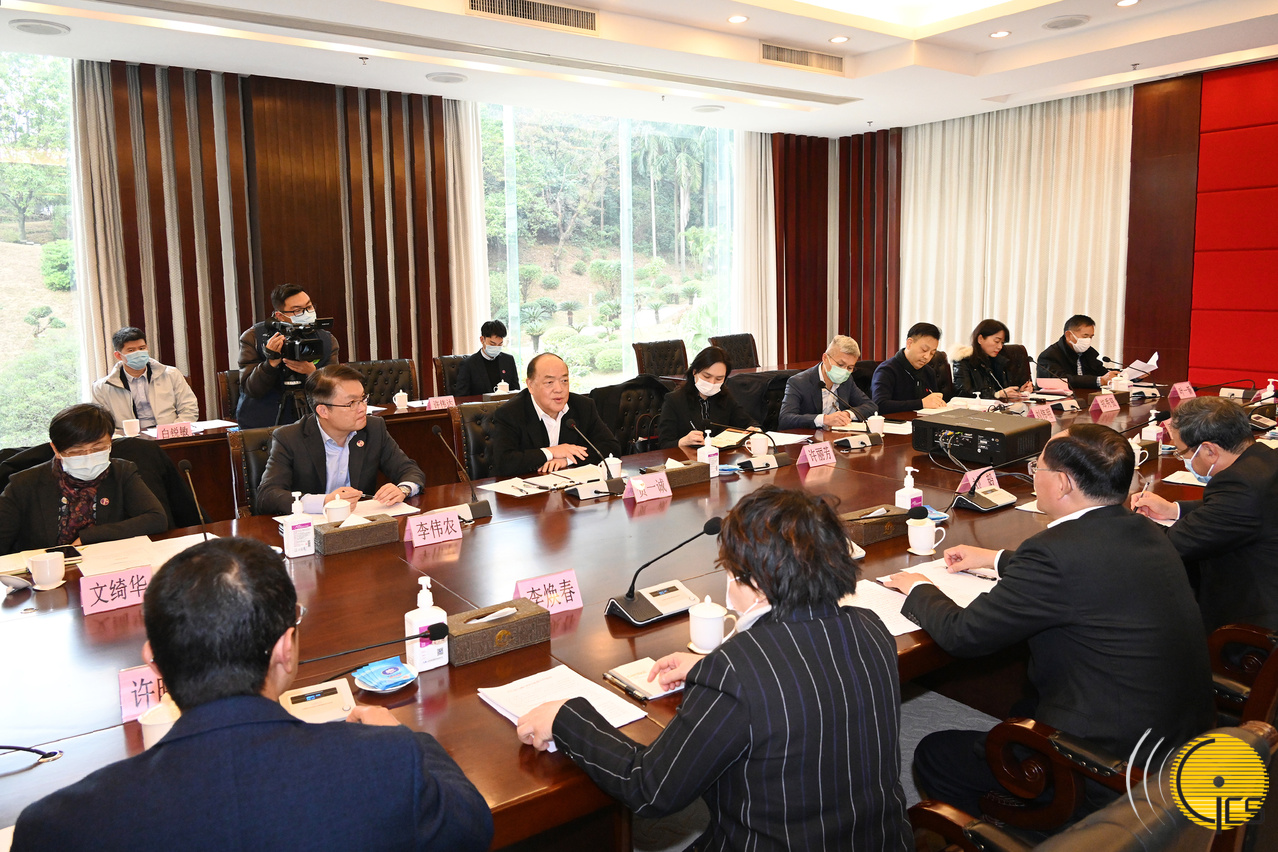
741 349
760 394
472 434
1018 363
863 374
662 357
446 373
250 449
944 372
228 393
1244 671
384 379
631 409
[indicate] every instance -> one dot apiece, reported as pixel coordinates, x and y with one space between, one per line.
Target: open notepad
520 696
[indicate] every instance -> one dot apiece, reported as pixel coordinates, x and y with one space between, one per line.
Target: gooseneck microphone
185 466
478 508
711 527
641 609
572 424
611 486
434 633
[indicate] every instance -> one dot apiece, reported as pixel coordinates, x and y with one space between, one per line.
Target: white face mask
87 467
1081 344
492 351
305 318
752 613
707 389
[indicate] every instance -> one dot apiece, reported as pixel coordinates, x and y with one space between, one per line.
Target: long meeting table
58 681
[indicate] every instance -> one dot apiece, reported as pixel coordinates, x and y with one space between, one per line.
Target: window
603 232
39 313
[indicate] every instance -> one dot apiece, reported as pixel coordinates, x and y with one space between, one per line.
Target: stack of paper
365 508
728 438
783 439
519 697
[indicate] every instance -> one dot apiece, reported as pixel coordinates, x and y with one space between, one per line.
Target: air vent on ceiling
540 14
792 57
1065 22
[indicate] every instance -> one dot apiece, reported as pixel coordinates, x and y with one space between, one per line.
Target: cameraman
264 369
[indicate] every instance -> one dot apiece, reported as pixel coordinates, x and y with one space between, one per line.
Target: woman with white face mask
789 729
702 403
82 495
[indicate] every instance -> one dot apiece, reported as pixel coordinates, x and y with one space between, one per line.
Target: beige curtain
467 231
754 251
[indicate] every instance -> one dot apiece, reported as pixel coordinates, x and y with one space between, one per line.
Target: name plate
103 592
1102 403
649 486
1182 390
554 592
1043 412
976 479
816 455
140 690
437 402
433 528
174 430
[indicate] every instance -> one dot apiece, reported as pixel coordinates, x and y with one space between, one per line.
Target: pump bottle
424 653
907 496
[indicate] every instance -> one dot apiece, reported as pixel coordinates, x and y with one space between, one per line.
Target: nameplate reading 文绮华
103 592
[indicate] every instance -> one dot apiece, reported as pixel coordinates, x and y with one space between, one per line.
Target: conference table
59 675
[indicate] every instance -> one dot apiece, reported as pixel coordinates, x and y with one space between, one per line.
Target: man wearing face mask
1232 532
1073 358
82 495
141 388
825 395
264 369
489 367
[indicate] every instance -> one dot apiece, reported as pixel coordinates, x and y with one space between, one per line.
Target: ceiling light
1128 2
1000 34
708 108
30 26
446 77
738 19
838 40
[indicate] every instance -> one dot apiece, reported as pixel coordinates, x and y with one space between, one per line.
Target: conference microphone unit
185 466
1221 385
614 486
664 599
476 508
434 633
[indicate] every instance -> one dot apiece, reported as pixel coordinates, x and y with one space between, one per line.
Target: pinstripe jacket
789 731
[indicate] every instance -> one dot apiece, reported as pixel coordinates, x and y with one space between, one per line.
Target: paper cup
131 428
875 423
47 570
157 721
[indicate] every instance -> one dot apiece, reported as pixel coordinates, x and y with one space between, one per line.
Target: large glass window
39 313
603 232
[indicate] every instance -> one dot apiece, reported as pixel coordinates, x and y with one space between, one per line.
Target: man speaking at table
1104 604
337 451
825 395
236 771
532 433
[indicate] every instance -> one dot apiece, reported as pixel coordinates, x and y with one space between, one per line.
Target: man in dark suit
532 433
821 396
266 376
1102 600
1073 358
483 371
337 451
237 771
1232 533
906 381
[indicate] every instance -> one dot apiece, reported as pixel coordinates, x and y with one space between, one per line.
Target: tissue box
691 473
864 531
380 529
470 643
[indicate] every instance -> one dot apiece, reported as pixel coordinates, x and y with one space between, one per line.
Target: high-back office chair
944 372
228 393
863 374
250 449
472 435
1018 363
741 349
446 367
631 409
1244 670
662 357
384 379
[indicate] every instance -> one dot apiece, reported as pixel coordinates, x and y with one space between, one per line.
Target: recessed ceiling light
838 40
1000 34
446 77
738 19
708 108
30 26
1128 2
1065 22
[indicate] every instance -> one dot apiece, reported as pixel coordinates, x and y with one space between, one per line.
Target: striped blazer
789 731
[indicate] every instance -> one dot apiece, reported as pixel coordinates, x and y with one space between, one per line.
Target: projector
983 437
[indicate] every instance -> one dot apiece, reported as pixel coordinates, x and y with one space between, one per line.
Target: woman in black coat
982 369
701 403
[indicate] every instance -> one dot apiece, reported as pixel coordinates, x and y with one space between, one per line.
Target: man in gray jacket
141 388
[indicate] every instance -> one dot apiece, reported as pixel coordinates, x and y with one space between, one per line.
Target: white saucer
56 585
920 552
694 649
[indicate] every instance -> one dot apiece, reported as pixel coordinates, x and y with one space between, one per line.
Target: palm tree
568 307
687 169
654 150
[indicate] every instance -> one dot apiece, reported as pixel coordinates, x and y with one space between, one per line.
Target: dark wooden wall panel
420 163
439 195
159 340
1160 234
399 193
377 180
126 178
357 348
184 192
212 219
801 173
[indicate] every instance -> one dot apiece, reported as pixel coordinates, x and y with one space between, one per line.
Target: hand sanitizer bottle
907 496
424 653
299 532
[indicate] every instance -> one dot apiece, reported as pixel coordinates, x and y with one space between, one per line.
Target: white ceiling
905 62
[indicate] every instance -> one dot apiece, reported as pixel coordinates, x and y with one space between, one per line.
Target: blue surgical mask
1203 478
87 467
304 318
138 359
492 351
838 374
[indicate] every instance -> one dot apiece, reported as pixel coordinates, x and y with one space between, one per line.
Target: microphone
572 424
615 485
185 466
435 632
640 609
765 462
1251 382
476 507
1158 417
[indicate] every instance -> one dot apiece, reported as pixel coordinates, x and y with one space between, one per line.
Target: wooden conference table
58 686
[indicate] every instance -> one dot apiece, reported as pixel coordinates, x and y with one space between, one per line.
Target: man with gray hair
825 395
1232 532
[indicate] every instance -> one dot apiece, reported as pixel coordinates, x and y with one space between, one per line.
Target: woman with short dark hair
701 403
789 730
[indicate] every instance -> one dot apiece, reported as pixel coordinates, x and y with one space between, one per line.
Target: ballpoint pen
626 688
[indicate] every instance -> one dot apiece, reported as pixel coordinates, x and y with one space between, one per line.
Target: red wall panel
1235 159
1236 279
1240 97
1237 219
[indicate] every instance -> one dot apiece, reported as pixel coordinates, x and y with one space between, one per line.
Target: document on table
728 438
365 508
520 696
924 412
513 487
1031 506
568 477
1140 369
784 439
107 556
1182 477
883 602
962 588
890 427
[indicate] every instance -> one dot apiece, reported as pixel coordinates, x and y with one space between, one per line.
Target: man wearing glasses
1104 604
337 451
237 771
265 372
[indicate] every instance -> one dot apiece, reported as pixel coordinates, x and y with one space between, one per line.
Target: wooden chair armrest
946 821
1259 642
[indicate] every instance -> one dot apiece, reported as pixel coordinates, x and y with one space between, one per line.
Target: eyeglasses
1035 467
362 402
301 613
297 312
1186 454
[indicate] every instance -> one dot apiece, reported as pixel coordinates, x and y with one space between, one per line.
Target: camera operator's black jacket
262 386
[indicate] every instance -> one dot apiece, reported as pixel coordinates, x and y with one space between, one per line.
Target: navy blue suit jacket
240 773
802 400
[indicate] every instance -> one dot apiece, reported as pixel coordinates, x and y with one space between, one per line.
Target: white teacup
707 622
47 570
131 428
157 721
613 464
313 504
1119 384
758 444
401 400
1142 454
503 387
922 533
336 510
875 423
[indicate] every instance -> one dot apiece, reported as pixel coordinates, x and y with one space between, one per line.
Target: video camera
301 342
